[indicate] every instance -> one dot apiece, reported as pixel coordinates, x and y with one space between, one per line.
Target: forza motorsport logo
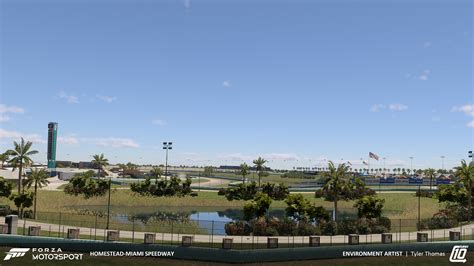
458 254
15 253
43 254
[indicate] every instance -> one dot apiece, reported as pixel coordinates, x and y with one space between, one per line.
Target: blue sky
298 82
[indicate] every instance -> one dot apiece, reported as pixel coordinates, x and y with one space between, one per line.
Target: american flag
373 156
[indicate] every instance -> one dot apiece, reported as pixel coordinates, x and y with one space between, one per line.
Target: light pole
470 156
384 165
167 146
442 162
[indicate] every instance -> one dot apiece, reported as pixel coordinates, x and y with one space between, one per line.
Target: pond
185 219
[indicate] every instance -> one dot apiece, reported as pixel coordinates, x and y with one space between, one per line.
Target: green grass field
397 205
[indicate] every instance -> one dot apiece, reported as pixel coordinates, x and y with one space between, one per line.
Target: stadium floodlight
167 146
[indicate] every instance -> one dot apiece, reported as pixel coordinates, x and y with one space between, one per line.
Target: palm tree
430 172
156 172
260 167
100 161
38 179
335 182
243 171
20 158
4 158
465 173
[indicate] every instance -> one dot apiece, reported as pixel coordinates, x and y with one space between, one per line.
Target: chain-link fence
204 233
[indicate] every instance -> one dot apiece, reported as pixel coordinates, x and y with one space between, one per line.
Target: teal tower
52 141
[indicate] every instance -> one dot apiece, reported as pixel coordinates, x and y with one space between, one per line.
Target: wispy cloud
425 75
159 122
467 109
15 135
4 110
11 109
68 97
112 142
69 140
377 107
395 107
226 83
281 156
107 99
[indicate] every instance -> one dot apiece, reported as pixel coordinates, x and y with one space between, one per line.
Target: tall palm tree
430 172
100 161
243 171
260 167
465 173
335 182
4 158
21 157
156 172
37 179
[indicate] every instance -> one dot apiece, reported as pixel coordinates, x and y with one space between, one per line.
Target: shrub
171 187
249 190
222 191
369 207
425 193
83 184
237 228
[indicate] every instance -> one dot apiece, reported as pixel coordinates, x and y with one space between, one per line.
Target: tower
52 140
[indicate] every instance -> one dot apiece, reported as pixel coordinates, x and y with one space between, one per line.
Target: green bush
171 187
83 184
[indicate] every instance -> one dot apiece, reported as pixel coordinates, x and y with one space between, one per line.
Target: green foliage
5 188
249 190
369 207
301 209
243 171
275 192
37 178
171 187
454 193
83 184
446 218
344 190
22 201
258 207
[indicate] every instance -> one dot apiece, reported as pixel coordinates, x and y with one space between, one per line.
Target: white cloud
11 109
107 99
226 83
397 107
266 156
14 135
235 157
70 140
112 142
425 75
467 109
471 124
69 98
4 118
159 122
377 107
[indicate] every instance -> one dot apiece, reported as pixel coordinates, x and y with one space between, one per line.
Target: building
52 141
